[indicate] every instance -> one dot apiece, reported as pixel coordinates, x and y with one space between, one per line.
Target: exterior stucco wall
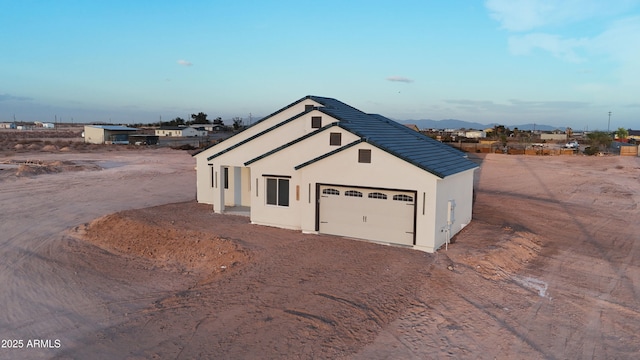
93 135
245 183
252 149
459 189
282 163
384 171
205 174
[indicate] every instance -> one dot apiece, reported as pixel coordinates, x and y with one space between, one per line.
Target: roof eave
279 148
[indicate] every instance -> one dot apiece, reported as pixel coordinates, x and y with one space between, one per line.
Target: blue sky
561 63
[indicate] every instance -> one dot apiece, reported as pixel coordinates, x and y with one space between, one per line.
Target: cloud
562 48
184 63
8 97
575 31
526 15
518 15
517 106
399 79
616 40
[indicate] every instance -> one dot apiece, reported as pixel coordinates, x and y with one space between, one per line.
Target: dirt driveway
549 269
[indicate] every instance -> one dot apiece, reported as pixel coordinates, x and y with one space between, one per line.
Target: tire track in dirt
590 242
42 295
586 261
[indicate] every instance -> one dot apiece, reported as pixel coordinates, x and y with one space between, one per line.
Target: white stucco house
321 166
475 134
180 131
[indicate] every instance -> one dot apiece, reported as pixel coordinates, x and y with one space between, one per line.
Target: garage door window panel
405 198
377 195
353 193
330 192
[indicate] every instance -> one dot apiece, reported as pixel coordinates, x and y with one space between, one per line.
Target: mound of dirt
497 259
165 246
31 170
37 167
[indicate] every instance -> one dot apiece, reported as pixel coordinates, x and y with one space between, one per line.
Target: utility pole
609 123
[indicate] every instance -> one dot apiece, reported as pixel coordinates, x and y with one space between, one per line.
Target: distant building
107 134
634 134
40 124
210 127
412 127
10 125
553 137
178 131
475 134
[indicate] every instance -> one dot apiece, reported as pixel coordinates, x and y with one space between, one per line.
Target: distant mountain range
460 124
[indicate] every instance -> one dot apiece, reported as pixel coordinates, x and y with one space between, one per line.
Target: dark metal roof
407 144
113 127
397 139
173 127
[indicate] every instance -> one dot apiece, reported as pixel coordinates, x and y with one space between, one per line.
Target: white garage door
372 214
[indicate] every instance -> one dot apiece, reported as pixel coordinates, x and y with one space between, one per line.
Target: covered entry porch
234 188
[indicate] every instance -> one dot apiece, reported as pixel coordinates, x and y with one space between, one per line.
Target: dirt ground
105 254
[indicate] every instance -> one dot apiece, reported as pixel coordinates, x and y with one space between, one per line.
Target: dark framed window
353 193
364 156
335 139
308 108
277 191
225 175
316 122
377 195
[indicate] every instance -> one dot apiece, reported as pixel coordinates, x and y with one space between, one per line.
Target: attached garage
376 214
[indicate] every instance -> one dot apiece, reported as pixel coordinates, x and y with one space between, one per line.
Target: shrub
591 150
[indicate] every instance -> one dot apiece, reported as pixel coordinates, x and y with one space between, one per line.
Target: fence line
493 148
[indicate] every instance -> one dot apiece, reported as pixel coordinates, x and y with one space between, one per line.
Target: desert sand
105 254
